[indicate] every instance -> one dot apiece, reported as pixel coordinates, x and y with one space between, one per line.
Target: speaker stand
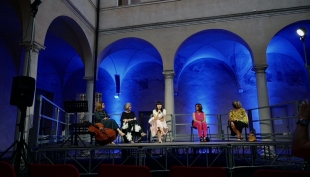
19 153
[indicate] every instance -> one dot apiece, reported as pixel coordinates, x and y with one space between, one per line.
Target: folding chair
192 132
177 171
6 169
123 170
245 133
155 138
53 170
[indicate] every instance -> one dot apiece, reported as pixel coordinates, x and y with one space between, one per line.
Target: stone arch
287 75
216 44
76 37
137 62
213 67
66 59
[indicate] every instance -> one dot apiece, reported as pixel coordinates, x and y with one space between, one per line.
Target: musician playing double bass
102 116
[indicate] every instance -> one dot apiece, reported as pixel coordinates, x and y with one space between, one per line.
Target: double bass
103 135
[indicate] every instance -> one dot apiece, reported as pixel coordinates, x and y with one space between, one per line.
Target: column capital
36 46
260 68
169 74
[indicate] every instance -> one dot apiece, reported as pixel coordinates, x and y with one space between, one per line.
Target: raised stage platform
161 156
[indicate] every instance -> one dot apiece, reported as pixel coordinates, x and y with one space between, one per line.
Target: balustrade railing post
173 127
220 128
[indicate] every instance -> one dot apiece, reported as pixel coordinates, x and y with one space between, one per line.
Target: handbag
252 136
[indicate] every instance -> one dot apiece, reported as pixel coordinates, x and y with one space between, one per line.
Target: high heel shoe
143 134
201 139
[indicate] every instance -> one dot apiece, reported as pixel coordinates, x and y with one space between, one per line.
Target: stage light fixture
35 6
302 33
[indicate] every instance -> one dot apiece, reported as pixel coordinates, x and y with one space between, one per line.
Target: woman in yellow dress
238 119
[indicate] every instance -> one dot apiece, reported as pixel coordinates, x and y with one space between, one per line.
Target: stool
192 132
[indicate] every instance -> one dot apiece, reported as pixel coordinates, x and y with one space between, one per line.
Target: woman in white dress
158 122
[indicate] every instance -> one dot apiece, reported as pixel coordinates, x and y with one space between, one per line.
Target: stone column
89 97
169 96
31 53
30 68
263 101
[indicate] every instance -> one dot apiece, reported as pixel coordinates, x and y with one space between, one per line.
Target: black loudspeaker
22 92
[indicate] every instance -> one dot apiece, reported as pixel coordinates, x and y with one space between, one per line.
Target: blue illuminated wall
141 80
286 74
7 111
10 50
213 67
60 67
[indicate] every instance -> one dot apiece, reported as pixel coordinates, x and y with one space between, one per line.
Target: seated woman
158 122
238 119
199 118
102 116
130 125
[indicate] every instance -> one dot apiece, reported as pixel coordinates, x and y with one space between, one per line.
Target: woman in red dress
199 118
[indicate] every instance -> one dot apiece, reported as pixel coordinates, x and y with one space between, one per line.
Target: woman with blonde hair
238 119
130 125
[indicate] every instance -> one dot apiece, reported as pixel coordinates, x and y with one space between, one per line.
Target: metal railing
51 121
54 122
283 121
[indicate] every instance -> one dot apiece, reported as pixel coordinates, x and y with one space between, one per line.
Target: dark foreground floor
240 171
244 172
242 161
